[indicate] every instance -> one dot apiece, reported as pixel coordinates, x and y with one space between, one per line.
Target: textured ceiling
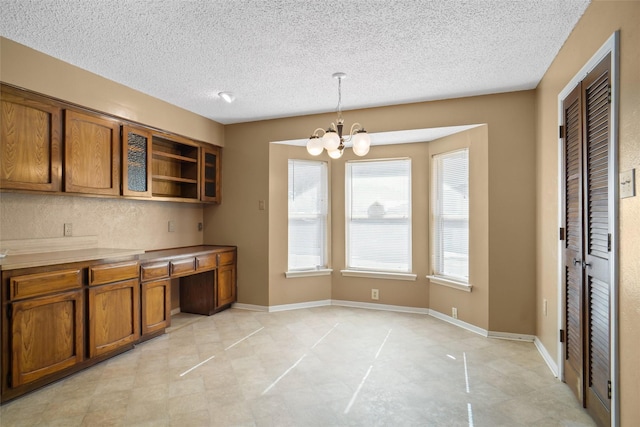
277 56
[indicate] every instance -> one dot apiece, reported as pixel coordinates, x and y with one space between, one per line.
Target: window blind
308 202
450 215
379 215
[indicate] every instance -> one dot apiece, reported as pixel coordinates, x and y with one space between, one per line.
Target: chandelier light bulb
361 150
335 154
331 140
315 146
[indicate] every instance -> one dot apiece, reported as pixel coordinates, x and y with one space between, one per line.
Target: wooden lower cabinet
226 289
114 316
46 336
156 306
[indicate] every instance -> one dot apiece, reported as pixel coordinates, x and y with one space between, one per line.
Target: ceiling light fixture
228 97
332 139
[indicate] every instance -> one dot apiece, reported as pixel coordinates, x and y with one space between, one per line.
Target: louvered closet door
586 257
596 111
572 277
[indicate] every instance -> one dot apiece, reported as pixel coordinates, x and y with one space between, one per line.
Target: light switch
628 183
261 206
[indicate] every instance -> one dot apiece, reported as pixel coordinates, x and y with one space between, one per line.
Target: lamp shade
331 140
361 150
315 146
335 154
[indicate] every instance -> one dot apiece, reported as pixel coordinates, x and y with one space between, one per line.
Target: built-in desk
68 310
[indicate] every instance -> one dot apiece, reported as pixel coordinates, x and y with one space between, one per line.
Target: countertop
12 262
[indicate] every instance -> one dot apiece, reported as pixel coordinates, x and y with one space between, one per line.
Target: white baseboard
460 323
250 307
551 363
385 307
297 306
511 336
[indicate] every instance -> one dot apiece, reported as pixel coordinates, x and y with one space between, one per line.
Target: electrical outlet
454 312
375 294
68 229
172 226
261 205
199 226
544 306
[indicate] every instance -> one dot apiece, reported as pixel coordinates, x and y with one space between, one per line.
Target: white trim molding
379 275
511 336
385 307
250 307
299 305
459 323
551 363
308 273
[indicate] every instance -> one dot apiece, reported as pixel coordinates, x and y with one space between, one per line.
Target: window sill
450 283
308 273
379 275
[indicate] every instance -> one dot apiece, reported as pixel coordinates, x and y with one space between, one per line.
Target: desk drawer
156 270
183 266
226 258
32 285
110 273
206 262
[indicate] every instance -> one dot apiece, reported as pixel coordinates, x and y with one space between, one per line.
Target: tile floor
325 366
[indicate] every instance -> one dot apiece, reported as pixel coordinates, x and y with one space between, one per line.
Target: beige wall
248 178
117 223
600 21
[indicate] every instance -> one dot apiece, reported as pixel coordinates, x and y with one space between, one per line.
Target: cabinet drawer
183 266
226 258
109 273
32 285
156 270
206 262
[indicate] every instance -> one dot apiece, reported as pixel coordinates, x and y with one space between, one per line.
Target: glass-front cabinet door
136 162
210 178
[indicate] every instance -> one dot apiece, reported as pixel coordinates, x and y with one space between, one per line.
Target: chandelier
332 139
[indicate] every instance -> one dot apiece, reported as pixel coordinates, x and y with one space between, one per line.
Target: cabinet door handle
575 262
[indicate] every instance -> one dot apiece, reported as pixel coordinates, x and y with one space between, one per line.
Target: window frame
455 281
324 268
376 272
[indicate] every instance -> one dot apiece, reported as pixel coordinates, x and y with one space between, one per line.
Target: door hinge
9 379
609 389
9 311
609 95
609 242
560 131
562 237
561 335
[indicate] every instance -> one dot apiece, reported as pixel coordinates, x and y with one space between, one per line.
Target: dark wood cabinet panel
30 142
92 154
114 316
46 336
109 273
156 306
226 289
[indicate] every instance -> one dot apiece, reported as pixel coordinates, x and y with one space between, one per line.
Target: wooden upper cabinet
136 162
30 142
210 174
92 154
175 168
